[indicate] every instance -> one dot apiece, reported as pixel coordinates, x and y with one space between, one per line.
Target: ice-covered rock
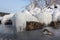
20 19
6 18
44 16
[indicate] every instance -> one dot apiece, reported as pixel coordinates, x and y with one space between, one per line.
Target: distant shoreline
4 13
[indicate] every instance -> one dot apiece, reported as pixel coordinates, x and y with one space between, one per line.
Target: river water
7 32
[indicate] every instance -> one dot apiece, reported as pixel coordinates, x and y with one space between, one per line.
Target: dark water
38 34
7 32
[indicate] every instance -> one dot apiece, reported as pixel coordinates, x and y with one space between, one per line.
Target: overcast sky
13 6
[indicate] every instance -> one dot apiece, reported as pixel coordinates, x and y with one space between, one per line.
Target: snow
21 19
6 18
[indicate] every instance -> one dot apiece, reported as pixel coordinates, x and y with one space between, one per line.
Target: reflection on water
7 33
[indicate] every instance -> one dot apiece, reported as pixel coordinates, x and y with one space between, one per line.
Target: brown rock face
33 25
55 24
